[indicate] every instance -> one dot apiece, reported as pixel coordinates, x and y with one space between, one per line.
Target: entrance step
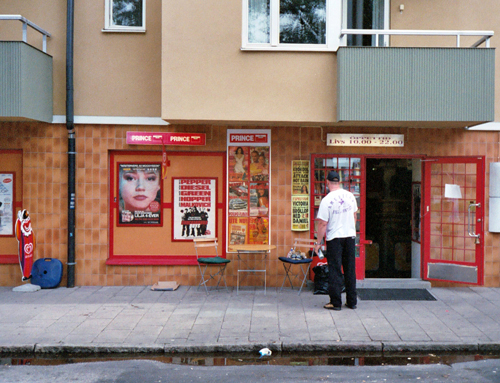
402 283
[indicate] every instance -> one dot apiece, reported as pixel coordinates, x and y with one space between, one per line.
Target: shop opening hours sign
384 140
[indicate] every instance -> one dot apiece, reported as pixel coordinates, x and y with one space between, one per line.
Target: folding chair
289 262
213 261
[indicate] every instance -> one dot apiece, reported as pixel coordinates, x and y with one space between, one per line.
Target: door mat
395 295
165 286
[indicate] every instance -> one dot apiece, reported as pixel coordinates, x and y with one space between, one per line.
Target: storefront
422 204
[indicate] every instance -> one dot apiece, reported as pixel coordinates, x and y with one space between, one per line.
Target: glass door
453 216
351 171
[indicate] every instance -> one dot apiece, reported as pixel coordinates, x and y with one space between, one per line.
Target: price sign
386 140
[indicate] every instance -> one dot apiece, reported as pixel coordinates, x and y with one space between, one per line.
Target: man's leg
349 265
334 258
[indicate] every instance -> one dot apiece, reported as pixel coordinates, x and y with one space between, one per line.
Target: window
291 24
366 14
125 15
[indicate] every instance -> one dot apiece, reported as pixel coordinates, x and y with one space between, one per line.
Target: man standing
337 219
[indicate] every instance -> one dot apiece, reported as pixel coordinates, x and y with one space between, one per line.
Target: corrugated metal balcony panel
416 84
26 82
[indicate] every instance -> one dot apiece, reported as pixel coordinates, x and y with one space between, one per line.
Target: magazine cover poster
259 163
300 212
258 231
300 177
6 204
194 208
259 199
139 190
238 163
237 230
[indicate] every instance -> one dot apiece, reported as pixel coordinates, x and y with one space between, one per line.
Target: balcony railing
485 35
26 24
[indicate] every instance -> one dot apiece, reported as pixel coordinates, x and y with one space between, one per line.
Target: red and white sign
165 138
248 138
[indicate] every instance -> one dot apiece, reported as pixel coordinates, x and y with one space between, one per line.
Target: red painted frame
17 205
479 227
154 260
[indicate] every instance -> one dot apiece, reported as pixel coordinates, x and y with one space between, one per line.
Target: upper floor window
366 14
291 24
125 15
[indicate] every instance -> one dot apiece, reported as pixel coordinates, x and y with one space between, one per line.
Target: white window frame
333 26
108 19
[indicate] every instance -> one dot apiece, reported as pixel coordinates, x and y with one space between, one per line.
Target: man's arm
321 234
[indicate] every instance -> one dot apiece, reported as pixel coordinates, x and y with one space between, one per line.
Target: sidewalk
136 319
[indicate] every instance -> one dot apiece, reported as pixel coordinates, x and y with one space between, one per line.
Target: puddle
246 359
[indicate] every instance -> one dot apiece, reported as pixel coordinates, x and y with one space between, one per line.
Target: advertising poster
259 199
300 212
139 190
258 231
238 163
300 177
237 230
194 208
6 203
248 186
259 163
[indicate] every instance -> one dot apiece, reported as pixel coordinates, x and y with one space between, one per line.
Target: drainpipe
70 126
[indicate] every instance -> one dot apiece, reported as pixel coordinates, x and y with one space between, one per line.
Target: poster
258 231
139 190
259 199
6 203
300 212
300 177
248 186
237 230
194 208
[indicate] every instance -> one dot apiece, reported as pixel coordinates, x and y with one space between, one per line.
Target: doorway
388 218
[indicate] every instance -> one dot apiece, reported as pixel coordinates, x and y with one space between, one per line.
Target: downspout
70 126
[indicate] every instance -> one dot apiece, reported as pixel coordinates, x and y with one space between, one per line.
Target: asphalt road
145 371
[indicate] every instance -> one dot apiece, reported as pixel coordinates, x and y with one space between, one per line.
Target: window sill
289 48
124 30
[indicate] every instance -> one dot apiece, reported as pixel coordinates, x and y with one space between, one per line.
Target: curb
354 348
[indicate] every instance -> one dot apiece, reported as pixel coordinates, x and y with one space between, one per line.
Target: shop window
125 15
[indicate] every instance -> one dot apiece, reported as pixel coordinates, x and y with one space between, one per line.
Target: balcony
26 86
402 84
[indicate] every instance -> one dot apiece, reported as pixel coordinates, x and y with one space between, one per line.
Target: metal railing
485 35
27 23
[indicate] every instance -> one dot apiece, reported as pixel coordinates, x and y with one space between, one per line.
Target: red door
453 217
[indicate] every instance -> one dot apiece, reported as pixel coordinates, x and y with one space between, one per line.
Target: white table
241 251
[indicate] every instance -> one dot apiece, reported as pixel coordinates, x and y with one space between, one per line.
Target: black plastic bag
321 280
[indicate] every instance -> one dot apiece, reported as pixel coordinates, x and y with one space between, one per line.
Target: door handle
472 233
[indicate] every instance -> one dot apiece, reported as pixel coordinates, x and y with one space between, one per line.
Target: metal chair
289 262
213 261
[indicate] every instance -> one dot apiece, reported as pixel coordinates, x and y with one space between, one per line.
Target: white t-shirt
337 208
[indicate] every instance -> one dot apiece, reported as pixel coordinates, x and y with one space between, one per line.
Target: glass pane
127 13
365 14
303 21
258 21
449 237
